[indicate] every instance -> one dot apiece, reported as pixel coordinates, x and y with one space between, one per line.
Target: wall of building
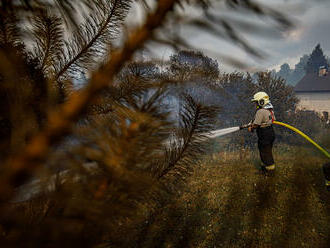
316 101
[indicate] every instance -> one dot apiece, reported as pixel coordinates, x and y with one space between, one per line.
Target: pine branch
138 130
48 33
133 82
195 121
93 38
21 167
67 9
9 30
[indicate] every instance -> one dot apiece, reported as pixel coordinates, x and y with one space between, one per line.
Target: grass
228 203
225 202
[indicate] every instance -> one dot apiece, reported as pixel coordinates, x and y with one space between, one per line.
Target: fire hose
304 136
298 132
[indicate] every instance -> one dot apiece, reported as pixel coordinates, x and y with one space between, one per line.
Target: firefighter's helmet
261 98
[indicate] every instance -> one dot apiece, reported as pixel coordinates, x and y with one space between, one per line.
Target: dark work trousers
326 171
266 137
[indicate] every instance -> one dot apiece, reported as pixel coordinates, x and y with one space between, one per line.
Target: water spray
221 132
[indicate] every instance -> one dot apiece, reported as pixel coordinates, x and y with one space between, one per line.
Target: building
313 91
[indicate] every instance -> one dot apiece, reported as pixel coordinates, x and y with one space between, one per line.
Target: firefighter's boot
268 170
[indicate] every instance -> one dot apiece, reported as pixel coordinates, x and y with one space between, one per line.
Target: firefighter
262 123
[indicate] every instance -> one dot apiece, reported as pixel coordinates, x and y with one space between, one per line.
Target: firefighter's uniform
266 136
263 124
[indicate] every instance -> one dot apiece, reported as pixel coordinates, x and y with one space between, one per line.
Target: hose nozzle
245 126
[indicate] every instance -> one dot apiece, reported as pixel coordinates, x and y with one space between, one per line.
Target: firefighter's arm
252 127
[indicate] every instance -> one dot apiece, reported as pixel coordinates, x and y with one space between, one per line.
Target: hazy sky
313 27
312 19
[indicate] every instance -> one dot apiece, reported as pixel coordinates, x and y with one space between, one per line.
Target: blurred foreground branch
20 168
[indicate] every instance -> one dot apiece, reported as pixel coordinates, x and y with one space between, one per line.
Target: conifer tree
285 71
316 60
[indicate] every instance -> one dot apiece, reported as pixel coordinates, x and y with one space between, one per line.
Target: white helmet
261 98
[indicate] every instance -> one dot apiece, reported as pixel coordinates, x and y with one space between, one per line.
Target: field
227 202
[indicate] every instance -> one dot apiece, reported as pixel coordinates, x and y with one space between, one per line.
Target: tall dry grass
228 203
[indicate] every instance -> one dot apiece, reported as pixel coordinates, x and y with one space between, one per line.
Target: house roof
313 83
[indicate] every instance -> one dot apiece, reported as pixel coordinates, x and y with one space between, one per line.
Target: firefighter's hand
250 129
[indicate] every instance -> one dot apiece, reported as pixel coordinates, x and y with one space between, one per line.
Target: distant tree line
308 63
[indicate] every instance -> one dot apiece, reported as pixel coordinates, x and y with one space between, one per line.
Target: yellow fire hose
303 135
